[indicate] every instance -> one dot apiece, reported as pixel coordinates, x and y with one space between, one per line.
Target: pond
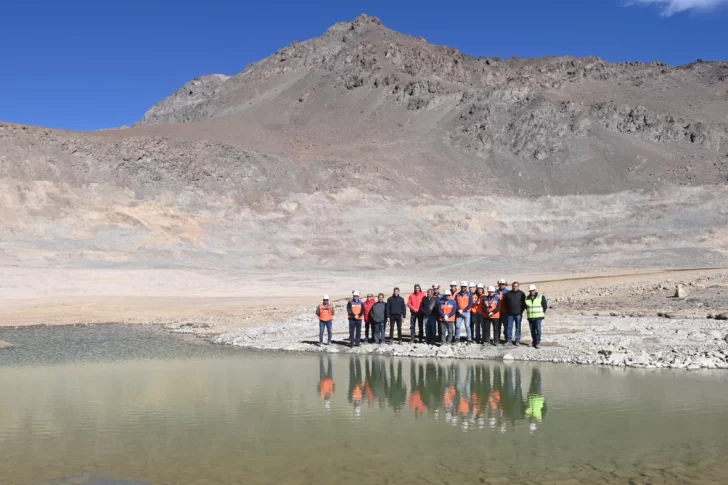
123 405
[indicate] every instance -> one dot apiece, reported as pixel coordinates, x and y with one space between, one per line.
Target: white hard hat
491 288
531 287
472 285
447 293
356 293
453 283
326 297
501 281
481 285
463 283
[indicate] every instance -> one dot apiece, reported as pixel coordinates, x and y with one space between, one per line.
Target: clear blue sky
86 65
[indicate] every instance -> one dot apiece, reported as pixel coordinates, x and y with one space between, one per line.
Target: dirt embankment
635 321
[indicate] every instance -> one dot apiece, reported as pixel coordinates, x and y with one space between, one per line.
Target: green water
134 406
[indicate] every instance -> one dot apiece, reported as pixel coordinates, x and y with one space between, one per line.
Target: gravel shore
648 342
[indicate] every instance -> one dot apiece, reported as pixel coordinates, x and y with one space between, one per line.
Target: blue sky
85 65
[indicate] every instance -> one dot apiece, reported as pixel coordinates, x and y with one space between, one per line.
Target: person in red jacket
368 304
413 303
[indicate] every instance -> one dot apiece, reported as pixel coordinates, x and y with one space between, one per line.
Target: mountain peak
362 22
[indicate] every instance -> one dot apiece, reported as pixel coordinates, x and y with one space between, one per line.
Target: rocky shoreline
648 342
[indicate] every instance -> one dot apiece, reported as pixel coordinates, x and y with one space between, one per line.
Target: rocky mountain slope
365 148
364 93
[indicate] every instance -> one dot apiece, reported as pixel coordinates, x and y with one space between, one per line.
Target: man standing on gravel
355 311
515 303
413 303
378 315
536 307
370 301
475 320
396 311
447 311
325 313
430 311
491 308
464 301
502 292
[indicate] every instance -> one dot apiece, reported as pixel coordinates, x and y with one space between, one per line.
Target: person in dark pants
447 312
325 313
355 311
536 307
436 294
396 311
368 304
502 291
515 303
491 307
378 315
413 303
430 312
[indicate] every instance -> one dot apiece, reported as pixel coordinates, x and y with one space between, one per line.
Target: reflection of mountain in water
472 395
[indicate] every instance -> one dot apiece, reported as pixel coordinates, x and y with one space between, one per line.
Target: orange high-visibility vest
462 300
357 309
447 307
326 313
476 304
489 305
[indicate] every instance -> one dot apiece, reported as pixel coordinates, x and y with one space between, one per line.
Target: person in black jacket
396 311
429 310
378 316
515 304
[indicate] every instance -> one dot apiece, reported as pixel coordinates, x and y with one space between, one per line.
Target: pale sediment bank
632 342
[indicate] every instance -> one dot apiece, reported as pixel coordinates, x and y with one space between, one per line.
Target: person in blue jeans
515 303
325 313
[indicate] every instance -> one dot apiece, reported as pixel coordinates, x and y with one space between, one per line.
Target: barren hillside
365 149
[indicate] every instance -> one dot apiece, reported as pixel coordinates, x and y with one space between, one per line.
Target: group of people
440 316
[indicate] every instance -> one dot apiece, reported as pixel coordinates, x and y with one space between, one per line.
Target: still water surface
134 406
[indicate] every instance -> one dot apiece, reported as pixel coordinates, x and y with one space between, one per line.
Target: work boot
514 343
538 345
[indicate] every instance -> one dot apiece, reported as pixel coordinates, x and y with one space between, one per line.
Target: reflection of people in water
416 399
536 408
326 382
397 392
356 384
514 406
468 396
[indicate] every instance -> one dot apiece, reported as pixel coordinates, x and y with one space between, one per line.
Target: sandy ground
228 302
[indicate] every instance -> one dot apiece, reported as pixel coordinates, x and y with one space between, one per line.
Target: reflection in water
478 395
326 382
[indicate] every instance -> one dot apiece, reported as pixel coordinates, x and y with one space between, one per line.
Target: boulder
508 357
706 362
642 359
680 292
722 316
616 359
5 345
